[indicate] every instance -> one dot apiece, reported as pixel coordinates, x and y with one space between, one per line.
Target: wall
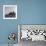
7 26
29 12
34 12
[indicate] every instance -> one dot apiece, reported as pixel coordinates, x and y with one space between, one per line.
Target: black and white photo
9 11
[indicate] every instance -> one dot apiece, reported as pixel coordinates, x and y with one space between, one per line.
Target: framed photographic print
33 32
9 11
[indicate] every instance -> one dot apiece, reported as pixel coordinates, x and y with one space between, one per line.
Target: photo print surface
9 11
33 32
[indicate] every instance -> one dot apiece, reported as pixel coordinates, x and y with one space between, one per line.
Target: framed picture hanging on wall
9 11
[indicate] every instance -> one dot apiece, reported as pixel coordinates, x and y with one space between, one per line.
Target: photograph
29 34
9 11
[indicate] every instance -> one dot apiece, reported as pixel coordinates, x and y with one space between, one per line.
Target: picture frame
9 11
36 32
